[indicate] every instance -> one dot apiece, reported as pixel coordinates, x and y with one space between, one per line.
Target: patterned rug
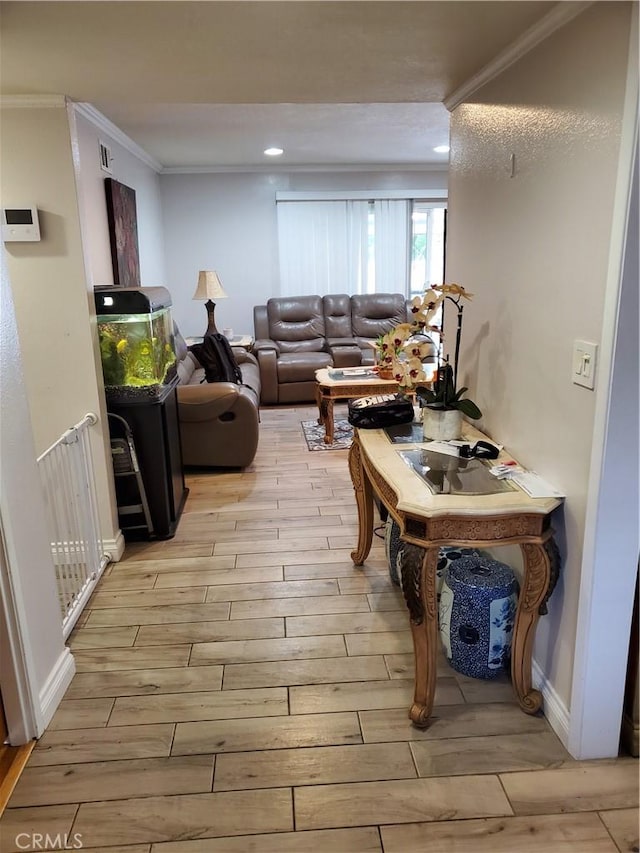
314 434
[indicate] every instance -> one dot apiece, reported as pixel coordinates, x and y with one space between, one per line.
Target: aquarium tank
137 348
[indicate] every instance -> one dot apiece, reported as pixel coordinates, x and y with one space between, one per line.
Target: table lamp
209 288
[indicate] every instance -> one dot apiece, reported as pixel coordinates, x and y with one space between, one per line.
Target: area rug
314 435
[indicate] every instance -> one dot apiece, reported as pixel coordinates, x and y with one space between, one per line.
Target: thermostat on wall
20 224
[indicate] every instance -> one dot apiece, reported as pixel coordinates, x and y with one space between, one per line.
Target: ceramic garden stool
393 551
476 614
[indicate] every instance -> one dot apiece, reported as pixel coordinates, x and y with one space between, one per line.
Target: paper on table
447 447
357 371
534 485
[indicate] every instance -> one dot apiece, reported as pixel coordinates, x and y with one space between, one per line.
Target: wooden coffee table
351 384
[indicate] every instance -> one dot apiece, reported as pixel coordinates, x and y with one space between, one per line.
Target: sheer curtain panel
323 247
392 235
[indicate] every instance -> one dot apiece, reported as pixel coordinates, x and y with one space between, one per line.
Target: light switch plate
583 368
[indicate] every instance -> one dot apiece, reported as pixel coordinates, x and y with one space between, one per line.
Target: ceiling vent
105 157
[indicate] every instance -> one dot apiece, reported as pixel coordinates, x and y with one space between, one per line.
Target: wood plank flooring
242 688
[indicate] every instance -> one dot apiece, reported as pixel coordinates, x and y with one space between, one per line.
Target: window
359 245
427 246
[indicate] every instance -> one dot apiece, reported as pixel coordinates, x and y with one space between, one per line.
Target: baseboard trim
114 548
554 708
54 689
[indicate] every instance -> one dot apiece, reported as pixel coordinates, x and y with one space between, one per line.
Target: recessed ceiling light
273 152
440 149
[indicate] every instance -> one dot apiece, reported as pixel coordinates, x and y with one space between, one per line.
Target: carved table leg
364 501
328 423
319 404
540 565
418 570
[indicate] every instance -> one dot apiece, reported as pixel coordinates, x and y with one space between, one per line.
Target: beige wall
52 303
35 666
534 248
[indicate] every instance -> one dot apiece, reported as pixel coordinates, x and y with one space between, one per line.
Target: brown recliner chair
290 346
219 421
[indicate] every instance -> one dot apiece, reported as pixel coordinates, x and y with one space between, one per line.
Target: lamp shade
209 286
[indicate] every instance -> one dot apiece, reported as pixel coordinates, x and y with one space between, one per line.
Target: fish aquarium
137 348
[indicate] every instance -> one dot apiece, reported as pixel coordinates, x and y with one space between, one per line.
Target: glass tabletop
450 475
412 433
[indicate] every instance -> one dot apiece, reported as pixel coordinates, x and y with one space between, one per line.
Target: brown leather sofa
297 335
219 421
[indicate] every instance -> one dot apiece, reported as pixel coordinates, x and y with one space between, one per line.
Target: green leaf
426 394
460 393
469 409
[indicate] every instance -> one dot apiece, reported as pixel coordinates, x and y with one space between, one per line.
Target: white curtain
360 276
327 247
322 247
391 245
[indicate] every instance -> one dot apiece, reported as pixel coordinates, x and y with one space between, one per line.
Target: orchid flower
404 356
453 290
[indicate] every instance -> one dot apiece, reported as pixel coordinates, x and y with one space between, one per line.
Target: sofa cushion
337 315
185 363
296 323
301 366
375 314
188 367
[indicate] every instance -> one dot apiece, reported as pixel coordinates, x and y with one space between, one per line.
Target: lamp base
211 324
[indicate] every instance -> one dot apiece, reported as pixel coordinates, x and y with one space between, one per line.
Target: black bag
216 356
380 411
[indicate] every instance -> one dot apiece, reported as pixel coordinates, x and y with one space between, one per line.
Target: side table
243 341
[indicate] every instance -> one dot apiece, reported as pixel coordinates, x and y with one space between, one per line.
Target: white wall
227 222
535 248
53 306
131 171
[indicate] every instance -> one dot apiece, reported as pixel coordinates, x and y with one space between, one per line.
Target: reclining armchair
219 421
290 346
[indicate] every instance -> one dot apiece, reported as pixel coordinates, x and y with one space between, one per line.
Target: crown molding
364 195
31 102
356 167
106 126
560 15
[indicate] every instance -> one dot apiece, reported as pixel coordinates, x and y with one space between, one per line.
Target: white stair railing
66 471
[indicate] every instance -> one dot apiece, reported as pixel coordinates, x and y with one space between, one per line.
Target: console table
466 516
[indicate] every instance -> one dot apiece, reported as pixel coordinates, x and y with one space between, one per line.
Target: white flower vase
441 424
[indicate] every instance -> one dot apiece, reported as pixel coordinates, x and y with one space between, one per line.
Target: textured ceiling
162 71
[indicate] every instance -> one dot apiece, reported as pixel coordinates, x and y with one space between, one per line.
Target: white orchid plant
400 352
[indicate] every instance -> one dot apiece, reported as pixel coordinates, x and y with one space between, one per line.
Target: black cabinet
156 435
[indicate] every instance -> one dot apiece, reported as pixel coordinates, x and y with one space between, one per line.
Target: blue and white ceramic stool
393 548
476 613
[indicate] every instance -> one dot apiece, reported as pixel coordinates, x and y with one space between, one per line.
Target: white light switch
583 370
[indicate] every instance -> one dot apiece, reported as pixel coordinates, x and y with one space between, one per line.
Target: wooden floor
243 688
